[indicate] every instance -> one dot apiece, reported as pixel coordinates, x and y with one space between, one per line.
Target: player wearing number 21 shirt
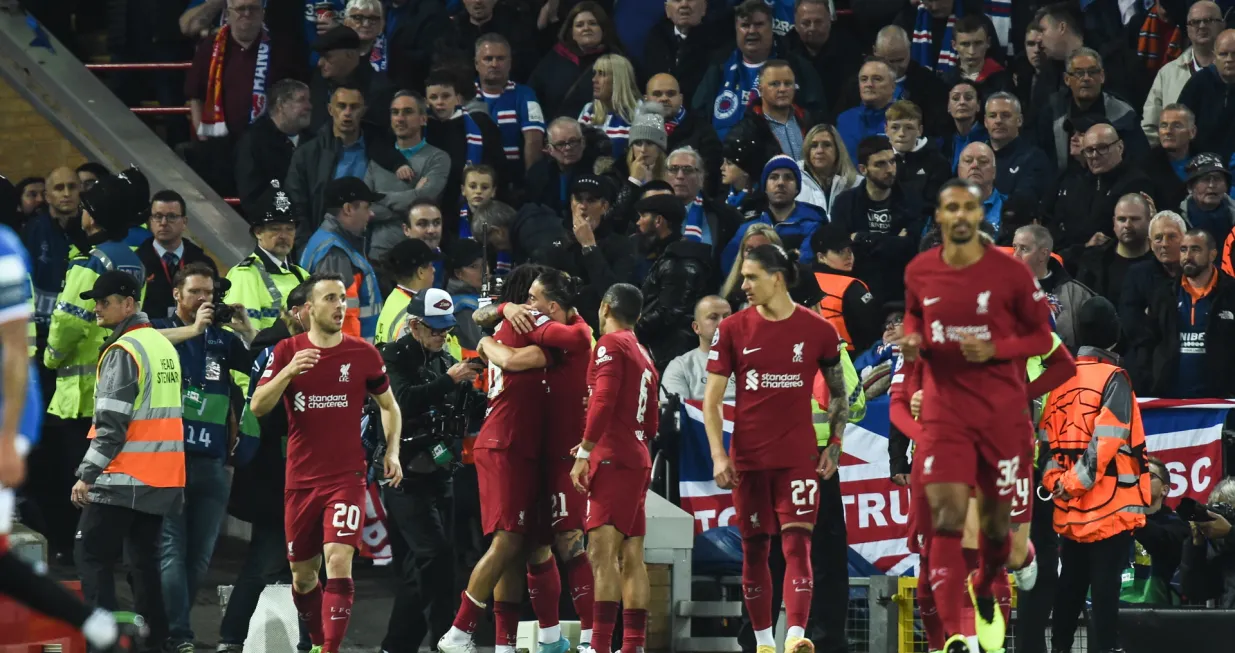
322 378
774 349
974 315
613 468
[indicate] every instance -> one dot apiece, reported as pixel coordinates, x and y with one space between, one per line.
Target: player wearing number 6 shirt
975 315
613 467
774 348
323 378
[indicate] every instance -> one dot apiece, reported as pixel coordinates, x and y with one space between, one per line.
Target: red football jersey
623 412
995 299
775 364
517 401
568 381
324 406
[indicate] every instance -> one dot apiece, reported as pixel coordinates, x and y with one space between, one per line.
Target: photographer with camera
1209 556
208 355
438 403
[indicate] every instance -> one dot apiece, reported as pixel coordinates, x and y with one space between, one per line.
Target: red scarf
214 123
1160 42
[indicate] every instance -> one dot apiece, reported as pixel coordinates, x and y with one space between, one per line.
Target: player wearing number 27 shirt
774 349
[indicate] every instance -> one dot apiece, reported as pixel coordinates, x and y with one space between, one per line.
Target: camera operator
1158 546
435 394
1209 557
208 356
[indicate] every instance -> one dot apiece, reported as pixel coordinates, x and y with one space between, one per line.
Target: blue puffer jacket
795 232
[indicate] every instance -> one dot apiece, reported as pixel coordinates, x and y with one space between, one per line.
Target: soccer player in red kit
774 349
508 467
974 314
613 468
323 377
551 322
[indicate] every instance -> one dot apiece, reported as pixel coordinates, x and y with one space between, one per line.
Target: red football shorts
312 517
767 498
566 504
617 497
508 486
992 460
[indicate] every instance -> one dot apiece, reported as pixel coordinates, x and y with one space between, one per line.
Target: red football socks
469 614
309 610
579 575
1030 554
927 610
505 622
947 579
337 611
634 630
605 618
544 585
799 579
757 581
992 558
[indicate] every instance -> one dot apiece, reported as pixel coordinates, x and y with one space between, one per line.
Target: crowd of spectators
503 132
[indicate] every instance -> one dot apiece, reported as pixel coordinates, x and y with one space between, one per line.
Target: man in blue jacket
877 88
1021 167
794 221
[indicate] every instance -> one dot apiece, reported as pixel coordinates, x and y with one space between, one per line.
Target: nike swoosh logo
750 351
1014 170
1018 513
930 301
801 589
337 618
346 534
558 520
805 512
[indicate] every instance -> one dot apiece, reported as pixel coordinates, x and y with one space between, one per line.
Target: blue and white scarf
696 227
614 126
475 140
735 197
504 108
922 43
740 82
1000 13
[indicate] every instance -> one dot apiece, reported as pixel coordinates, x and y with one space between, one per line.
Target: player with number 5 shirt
322 378
774 348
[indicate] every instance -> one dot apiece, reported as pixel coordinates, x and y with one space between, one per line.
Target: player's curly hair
519 282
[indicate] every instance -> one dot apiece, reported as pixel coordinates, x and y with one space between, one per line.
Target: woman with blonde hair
827 170
757 234
615 94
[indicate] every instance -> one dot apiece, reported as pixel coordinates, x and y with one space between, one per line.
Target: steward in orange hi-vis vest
1097 451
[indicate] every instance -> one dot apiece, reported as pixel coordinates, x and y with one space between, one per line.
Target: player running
20 422
613 469
508 467
774 348
323 377
975 314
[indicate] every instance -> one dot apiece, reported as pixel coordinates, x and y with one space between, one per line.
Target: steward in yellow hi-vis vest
132 476
846 301
410 265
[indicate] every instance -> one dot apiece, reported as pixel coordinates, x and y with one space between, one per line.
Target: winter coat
1053 138
681 276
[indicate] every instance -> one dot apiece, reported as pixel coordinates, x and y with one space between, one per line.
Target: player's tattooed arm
487 316
838 405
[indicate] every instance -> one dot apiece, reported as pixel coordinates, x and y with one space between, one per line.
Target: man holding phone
428 384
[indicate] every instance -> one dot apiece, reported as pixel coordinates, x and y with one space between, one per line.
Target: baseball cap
349 189
434 307
463 253
1203 164
111 283
338 38
830 237
594 185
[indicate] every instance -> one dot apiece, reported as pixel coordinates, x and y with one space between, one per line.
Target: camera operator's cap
271 207
830 237
596 186
345 190
111 283
1205 163
341 37
434 307
668 207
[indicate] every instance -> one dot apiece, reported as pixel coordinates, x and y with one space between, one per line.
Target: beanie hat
749 154
1097 323
778 162
649 125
